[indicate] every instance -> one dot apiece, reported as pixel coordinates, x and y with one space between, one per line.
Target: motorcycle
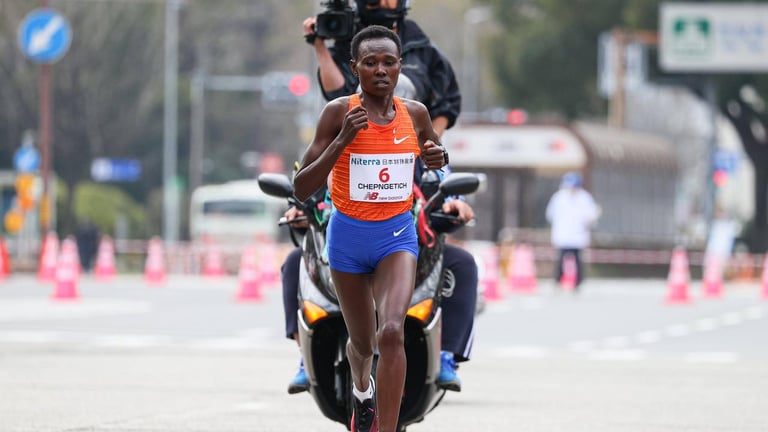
322 332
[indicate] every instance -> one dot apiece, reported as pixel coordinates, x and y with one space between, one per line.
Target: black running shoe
364 414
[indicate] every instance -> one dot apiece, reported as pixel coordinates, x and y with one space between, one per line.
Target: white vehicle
234 212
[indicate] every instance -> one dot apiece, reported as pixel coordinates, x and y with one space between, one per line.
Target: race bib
380 177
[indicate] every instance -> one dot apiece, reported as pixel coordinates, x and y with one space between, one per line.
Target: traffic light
517 116
283 89
720 177
298 85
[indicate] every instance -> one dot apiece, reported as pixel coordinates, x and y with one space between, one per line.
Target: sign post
709 38
44 37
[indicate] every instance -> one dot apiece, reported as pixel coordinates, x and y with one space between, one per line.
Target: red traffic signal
299 84
517 117
720 177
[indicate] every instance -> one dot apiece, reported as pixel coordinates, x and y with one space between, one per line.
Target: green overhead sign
713 37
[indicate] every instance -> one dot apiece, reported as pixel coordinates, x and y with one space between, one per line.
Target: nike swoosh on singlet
398 141
400 231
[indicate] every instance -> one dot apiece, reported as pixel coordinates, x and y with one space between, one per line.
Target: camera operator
426 73
426 76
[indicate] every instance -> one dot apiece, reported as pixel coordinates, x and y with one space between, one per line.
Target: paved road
187 357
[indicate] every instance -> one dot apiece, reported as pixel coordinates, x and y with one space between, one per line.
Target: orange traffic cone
69 247
568 278
213 262
105 268
249 277
764 279
5 260
154 268
67 272
521 277
712 280
489 274
49 255
679 278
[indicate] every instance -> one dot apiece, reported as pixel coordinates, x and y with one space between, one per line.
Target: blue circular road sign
26 159
44 35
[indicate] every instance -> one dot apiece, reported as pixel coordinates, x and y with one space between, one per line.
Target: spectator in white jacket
572 212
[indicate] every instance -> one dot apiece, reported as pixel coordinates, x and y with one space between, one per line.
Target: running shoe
299 383
447 379
364 414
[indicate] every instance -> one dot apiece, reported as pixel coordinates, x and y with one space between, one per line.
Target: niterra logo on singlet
381 177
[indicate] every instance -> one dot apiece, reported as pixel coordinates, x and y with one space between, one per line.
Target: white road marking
677 330
581 346
730 319
619 355
251 406
43 309
712 357
532 303
705 324
30 336
522 351
615 342
754 313
130 341
647 337
225 344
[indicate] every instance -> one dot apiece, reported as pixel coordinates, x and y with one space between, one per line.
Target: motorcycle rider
428 77
369 143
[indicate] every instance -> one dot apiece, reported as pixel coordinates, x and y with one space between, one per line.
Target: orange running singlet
373 178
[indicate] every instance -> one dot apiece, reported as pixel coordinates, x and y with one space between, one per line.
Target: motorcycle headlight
422 302
313 312
421 310
314 304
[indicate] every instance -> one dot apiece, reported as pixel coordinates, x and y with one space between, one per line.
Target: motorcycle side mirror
459 184
277 185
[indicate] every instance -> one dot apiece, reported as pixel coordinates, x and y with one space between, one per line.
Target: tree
546 60
747 113
108 88
105 90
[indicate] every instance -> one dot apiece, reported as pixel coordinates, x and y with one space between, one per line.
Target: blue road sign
44 35
726 160
26 159
117 170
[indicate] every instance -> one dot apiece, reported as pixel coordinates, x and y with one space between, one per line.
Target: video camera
337 21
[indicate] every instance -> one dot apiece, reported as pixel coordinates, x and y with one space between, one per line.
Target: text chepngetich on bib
381 177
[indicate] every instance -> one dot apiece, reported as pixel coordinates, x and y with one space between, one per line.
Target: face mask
384 17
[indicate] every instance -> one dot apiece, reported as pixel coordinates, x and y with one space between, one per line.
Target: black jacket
423 63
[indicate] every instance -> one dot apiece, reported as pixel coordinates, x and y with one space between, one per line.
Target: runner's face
378 65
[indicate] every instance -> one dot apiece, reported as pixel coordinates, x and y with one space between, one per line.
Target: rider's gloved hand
291 214
460 209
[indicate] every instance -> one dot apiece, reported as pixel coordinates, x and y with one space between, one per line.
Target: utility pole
470 58
170 124
45 141
622 38
197 128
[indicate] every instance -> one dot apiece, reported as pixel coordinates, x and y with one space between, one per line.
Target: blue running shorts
356 246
